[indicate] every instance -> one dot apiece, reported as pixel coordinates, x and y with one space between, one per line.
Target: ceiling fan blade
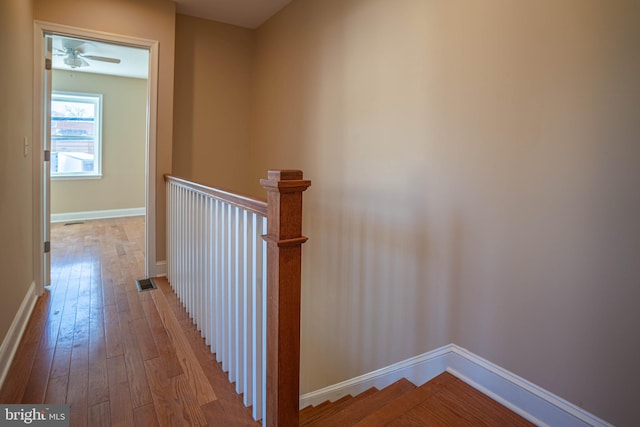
71 44
102 58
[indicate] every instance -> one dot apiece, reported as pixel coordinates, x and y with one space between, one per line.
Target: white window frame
96 99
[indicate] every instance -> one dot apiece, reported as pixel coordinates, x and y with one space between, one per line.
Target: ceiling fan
74 56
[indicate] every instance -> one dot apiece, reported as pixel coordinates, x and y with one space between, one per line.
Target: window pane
74 139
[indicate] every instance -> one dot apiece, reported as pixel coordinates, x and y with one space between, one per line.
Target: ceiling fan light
73 61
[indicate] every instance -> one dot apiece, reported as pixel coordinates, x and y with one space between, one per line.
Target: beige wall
148 19
16 235
475 180
124 127
212 102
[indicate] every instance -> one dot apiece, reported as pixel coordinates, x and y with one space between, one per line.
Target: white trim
39 76
14 334
41 28
151 169
418 370
89 215
161 269
530 401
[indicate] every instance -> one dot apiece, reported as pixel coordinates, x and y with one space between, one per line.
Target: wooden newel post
284 257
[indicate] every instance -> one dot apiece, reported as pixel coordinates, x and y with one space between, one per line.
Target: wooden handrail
284 266
250 204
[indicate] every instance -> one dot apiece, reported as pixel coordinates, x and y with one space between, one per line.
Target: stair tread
405 403
328 408
311 409
360 408
457 403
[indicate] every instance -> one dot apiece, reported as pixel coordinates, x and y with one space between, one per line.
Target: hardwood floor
115 355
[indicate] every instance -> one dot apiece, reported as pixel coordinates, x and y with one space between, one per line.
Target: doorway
78 48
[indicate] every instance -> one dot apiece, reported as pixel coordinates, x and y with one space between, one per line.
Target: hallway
116 355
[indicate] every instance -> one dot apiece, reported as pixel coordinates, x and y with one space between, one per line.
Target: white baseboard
161 269
14 334
532 402
89 215
537 405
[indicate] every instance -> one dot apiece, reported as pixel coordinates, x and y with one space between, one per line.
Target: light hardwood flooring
115 355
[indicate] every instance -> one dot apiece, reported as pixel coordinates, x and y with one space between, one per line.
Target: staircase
443 401
235 264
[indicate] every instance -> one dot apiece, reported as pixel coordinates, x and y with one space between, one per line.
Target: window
76 135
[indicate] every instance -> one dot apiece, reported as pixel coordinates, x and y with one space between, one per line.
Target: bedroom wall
147 19
16 217
475 180
124 128
213 79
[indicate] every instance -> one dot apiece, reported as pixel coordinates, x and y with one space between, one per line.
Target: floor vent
145 284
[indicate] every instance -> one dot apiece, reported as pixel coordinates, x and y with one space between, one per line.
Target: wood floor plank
108 295
145 416
134 302
476 407
165 400
78 385
138 384
188 401
122 302
36 386
166 352
56 390
100 415
62 358
148 349
98 391
113 339
217 414
98 387
120 406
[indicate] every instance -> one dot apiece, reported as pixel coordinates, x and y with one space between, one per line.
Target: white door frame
40 29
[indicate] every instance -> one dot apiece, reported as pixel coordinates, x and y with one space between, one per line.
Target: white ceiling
134 62
243 13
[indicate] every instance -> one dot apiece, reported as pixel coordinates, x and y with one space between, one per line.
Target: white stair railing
216 261
228 255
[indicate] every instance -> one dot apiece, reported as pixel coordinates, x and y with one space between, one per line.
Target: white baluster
224 285
247 307
215 347
239 319
206 300
232 294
